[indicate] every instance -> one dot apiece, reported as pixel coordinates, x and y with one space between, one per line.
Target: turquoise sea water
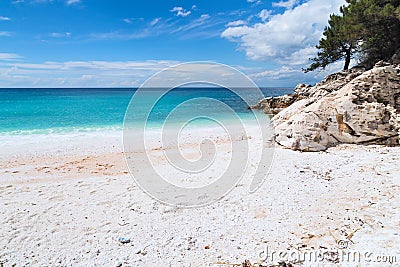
41 111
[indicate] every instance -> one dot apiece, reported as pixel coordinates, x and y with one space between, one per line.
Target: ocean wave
61 130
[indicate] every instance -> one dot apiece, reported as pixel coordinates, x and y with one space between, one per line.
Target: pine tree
339 41
366 29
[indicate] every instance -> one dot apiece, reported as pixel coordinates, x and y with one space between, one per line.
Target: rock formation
331 83
355 106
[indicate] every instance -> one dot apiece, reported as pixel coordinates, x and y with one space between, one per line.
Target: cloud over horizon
77 73
9 56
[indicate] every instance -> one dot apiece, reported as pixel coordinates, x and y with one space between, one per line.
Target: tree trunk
347 60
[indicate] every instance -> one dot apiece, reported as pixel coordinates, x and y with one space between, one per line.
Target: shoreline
25 158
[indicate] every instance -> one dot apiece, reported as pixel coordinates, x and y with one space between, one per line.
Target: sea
45 111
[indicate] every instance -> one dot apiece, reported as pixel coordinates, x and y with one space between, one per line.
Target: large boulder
273 105
354 107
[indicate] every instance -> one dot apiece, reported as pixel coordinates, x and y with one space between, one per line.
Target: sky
95 43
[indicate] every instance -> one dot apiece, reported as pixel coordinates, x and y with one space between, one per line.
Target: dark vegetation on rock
368 30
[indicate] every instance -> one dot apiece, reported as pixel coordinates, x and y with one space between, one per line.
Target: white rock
366 110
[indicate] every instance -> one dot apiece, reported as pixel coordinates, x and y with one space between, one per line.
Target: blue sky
94 43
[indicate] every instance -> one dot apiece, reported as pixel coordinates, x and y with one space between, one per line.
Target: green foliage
367 29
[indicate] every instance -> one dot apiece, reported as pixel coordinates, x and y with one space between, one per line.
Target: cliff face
355 106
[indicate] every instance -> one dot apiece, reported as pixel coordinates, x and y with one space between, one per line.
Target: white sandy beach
67 199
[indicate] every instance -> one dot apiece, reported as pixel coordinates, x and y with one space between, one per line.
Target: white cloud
287 36
264 14
300 57
60 34
4 18
286 75
67 2
180 11
201 27
286 4
204 16
276 74
257 2
9 56
77 73
118 35
155 21
127 20
72 2
5 34
236 23
16 73
132 20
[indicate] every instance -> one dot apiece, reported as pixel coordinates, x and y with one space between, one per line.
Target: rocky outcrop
331 83
273 105
347 107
